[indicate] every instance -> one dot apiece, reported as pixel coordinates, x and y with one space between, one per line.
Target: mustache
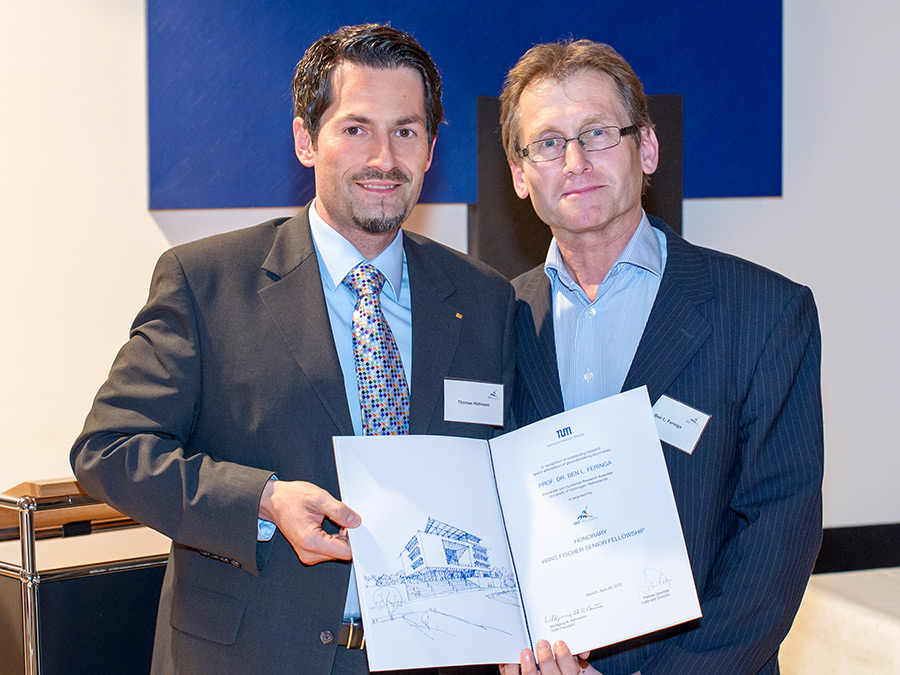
395 175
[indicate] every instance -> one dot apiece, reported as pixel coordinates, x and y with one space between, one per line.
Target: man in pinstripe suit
621 302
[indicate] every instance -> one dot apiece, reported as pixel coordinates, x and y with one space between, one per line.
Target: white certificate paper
600 556
471 551
435 580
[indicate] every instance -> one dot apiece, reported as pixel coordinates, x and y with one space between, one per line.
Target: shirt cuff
265 530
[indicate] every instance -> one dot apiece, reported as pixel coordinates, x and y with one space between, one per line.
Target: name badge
473 401
679 424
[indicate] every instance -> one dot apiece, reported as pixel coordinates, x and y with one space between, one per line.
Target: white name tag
472 401
679 424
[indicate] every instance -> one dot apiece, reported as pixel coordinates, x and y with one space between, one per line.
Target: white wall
79 243
833 230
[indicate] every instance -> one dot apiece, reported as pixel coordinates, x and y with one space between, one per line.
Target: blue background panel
220 75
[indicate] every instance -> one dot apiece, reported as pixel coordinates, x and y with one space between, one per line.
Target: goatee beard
379 225
384 223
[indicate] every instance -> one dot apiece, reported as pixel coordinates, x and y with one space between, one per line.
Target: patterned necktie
383 394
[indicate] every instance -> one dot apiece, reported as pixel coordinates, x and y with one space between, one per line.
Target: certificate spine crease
511 556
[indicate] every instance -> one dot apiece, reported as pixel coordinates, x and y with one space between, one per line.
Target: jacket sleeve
762 570
134 451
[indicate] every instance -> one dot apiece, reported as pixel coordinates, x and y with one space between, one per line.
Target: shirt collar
642 250
337 256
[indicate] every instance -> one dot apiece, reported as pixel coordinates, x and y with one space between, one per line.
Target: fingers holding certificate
557 660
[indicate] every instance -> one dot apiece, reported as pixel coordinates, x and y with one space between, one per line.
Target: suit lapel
296 303
435 333
536 344
675 329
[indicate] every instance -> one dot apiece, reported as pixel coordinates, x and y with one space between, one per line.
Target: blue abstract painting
220 74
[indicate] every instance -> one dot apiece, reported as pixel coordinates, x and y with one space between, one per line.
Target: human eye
406 133
597 137
353 131
550 143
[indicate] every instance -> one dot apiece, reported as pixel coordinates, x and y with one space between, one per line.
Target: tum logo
562 433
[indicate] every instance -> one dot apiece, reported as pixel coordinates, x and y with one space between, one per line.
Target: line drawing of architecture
439 560
443 552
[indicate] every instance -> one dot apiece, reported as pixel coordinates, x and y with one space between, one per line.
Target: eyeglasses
596 138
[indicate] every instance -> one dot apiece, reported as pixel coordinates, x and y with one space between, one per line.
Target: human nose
382 156
576 157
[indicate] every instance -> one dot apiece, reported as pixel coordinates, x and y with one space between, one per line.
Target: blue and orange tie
383 393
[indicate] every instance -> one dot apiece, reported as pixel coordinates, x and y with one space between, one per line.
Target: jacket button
326 637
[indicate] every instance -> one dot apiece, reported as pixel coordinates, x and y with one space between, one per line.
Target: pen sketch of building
437 561
442 559
442 552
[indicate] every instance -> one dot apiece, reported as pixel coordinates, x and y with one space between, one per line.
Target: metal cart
91 618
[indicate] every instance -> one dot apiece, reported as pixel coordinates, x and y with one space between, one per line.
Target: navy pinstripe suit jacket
741 342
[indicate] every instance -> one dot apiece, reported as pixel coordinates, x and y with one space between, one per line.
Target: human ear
303 144
431 152
649 149
518 178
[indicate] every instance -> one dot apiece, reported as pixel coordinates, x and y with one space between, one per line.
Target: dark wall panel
859 548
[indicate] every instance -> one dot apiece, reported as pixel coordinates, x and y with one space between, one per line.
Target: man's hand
558 661
298 509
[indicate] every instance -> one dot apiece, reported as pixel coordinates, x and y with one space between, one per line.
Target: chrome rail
29 531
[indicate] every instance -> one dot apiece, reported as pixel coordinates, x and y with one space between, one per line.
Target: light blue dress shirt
596 341
336 257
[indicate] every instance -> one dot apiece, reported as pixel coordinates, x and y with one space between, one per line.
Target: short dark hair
560 61
372 45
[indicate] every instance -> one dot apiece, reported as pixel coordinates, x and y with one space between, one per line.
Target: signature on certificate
652 585
557 622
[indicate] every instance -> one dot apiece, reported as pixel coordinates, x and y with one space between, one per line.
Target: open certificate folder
470 551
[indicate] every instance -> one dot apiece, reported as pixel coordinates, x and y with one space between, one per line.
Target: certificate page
432 566
593 526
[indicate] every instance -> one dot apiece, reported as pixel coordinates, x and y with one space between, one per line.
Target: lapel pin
458 315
